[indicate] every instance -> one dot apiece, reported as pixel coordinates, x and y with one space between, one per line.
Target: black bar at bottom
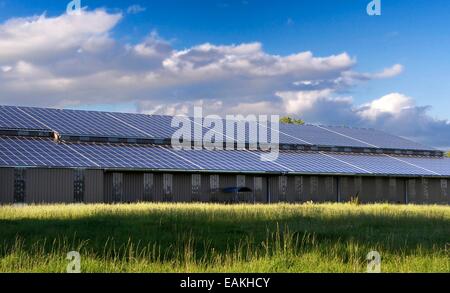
220 282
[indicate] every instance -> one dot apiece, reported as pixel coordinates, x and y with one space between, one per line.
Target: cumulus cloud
70 60
42 36
393 104
395 113
76 55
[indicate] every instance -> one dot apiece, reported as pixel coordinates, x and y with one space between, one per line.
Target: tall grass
224 238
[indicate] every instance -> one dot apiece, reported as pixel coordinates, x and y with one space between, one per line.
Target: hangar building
67 156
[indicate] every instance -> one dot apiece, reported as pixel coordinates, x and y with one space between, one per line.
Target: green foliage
290 120
447 154
224 238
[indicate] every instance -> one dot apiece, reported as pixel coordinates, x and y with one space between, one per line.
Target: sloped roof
140 126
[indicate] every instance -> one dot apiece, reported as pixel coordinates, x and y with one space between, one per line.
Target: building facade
68 162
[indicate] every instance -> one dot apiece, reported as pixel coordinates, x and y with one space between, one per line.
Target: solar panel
384 164
13 118
314 162
124 125
84 123
157 126
15 151
310 134
377 138
231 160
132 156
38 152
440 166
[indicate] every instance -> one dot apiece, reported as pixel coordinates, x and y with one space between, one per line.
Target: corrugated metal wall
57 185
49 185
372 189
133 187
303 188
93 191
428 190
6 185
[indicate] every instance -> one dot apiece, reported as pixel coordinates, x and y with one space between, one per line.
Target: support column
338 189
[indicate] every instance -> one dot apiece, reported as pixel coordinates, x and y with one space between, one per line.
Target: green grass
225 238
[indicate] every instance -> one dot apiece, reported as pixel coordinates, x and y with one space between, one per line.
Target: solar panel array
40 152
20 151
375 138
124 125
13 118
87 123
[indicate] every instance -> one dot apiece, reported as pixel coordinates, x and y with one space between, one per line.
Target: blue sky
412 34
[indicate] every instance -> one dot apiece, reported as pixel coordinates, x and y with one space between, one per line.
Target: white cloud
73 59
42 36
5 68
76 54
390 72
302 101
395 113
393 104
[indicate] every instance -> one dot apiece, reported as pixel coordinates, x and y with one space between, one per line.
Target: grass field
225 238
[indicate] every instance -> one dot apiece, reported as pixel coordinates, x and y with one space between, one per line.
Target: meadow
164 237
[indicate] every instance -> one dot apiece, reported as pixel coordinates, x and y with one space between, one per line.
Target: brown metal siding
133 187
182 187
445 191
107 187
327 189
206 194
246 197
411 190
158 183
397 193
350 187
57 185
49 186
371 187
427 190
225 181
436 194
93 192
303 188
259 192
6 185
149 187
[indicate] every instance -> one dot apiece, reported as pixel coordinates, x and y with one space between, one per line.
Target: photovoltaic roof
125 125
13 118
42 152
